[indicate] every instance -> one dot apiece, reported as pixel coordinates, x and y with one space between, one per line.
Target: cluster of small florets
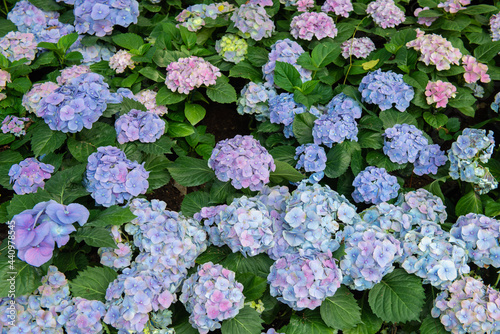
302 5
282 110
254 100
113 179
477 90
243 161
304 282
390 218
116 258
189 73
434 255
468 307
76 104
139 125
82 316
480 234
311 157
148 99
385 89
286 51
339 7
211 220
39 229
467 155
357 47
309 25
32 99
14 125
385 13
453 6
370 254
253 22
495 27
121 60
193 17
69 73
426 21
496 103
439 92
29 175
474 71
421 205
211 295
232 48
262 3
435 50
374 185
93 53
18 45
429 159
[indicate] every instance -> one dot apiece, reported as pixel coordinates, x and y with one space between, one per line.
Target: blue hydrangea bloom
286 51
403 143
390 218
282 110
374 185
211 219
429 159
422 206
254 100
139 125
496 103
311 157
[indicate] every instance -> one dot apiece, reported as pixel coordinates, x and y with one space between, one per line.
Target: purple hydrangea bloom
17 45
253 22
14 125
374 185
113 179
357 47
338 7
302 5
282 110
29 175
189 73
72 72
429 159
254 100
211 220
311 157
32 99
403 143
211 295
139 125
390 218
92 53
243 161
385 13
309 25
84 316
495 27
422 206
116 258
286 51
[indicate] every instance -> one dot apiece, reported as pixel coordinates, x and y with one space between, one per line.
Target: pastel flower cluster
439 92
474 71
113 179
426 21
232 48
253 22
262 3
83 316
76 104
309 25
17 45
29 175
4 79
496 103
339 121
390 218
189 73
14 125
370 254
429 159
302 5
193 17
423 206
116 258
311 157
374 185
254 98
282 110
39 229
211 220
385 13
139 125
468 306
286 51
121 60
357 47
339 7
435 50
32 99
480 234
69 73
148 98
477 90
495 27
472 149
453 6
211 295
243 161
93 53
385 89
304 282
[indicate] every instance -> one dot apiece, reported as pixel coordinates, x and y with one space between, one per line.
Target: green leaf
457 24
194 202
245 70
92 283
435 120
309 322
341 311
46 5
188 37
324 53
213 254
152 74
247 321
417 79
6 26
431 325
258 265
462 99
402 37
371 123
166 97
257 56
391 117
66 41
302 127
284 153
191 172
370 139
399 297
176 129
380 160
157 166
95 237
130 80
338 160
286 76
285 172
479 9
370 323
59 185
88 141
435 189
19 203
194 113
45 140
222 91
128 41
469 203
487 51
430 13
254 286
268 127
159 147
357 162
220 191
22 85
309 86
492 209
24 277
6 138
114 215
10 157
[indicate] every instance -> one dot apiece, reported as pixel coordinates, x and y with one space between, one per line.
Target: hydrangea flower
18 45
282 110
116 258
423 206
357 47
139 125
14 125
121 60
148 99
390 218
426 21
211 220
374 185
302 5
189 73
93 53
403 143
435 50
253 22
262 3
232 48
429 159
243 161
254 100
385 89
4 79
32 99
453 6
29 175
339 7
311 157
39 229
477 90
271 331
496 103
439 92
474 71
385 13
309 25
304 282
69 73
495 27
84 316
193 17
113 179
76 104
211 295
286 51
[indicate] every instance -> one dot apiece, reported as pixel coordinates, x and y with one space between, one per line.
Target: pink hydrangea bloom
72 72
31 100
4 78
148 99
453 6
307 25
474 70
385 13
302 5
425 21
121 60
14 125
357 47
339 7
17 45
189 73
262 3
439 92
495 27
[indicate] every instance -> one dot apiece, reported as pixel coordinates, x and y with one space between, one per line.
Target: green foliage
114 215
302 127
247 321
308 322
470 202
95 236
191 172
222 91
285 172
341 310
194 202
92 283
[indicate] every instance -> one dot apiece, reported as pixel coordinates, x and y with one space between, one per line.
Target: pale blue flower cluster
29 175
429 159
480 234
254 99
144 126
211 220
83 316
421 205
403 143
390 218
253 22
496 103
286 51
311 157
211 295
467 155
93 53
116 258
385 89
193 17
113 179
282 110
374 185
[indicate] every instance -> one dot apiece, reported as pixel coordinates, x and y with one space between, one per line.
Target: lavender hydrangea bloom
385 89
113 179
429 159
357 47
243 161
339 7
403 143
84 316
304 282
311 157
14 125
32 99
29 175
423 206
211 295
18 45
282 110
309 25
193 17
252 21
92 53
189 73
495 27
211 220
116 258
254 100
390 218
286 51
374 185
385 13
139 125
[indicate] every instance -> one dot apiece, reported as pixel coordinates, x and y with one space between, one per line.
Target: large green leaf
392 117
159 147
324 53
191 172
380 160
370 139
309 322
157 166
95 237
59 185
469 203
89 140
302 127
194 202
19 203
222 91
338 160
431 325
341 311
258 265
114 215
128 41
245 70
165 96
194 113
257 56
287 77
23 277
487 51
46 5
92 283
285 172
45 140
370 323
254 286
220 191
247 321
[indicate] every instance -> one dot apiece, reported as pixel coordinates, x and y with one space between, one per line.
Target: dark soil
169 194
223 121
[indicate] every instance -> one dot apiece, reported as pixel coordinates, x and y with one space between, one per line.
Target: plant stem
350 53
